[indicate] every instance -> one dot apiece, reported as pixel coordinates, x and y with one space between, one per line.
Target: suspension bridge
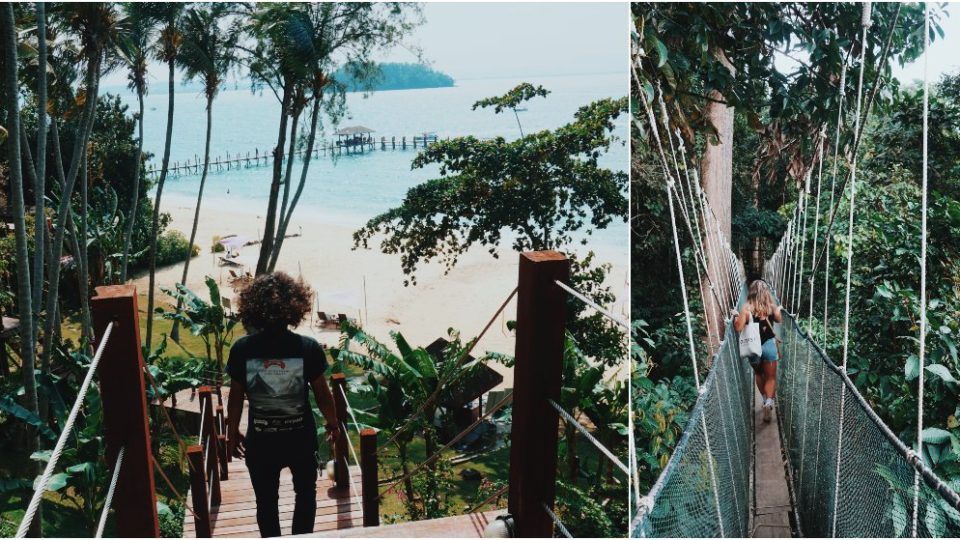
220 501
828 465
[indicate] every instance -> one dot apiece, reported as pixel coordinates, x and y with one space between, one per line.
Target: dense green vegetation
780 120
395 76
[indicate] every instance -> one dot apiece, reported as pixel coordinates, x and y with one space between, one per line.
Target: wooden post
198 486
393 142
341 468
369 492
124 398
208 438
221 443
541 312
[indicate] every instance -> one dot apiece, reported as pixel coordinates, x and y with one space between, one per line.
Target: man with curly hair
275 369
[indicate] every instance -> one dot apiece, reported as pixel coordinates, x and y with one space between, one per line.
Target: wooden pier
260 158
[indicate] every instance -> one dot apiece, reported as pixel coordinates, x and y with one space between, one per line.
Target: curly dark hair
274 301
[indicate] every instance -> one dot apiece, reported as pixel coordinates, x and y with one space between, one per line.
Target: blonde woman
765 311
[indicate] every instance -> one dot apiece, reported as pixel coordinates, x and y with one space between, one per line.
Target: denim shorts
768 353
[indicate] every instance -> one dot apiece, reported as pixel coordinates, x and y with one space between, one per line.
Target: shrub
172 248
217 247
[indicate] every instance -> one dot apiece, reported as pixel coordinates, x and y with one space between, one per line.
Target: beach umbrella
233 242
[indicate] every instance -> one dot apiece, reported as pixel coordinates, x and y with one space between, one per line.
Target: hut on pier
354 138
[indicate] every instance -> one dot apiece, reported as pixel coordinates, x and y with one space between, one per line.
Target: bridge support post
341 467
369 492
124 397
541 314
198 488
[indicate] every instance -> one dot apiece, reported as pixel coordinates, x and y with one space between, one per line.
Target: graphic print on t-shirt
275 388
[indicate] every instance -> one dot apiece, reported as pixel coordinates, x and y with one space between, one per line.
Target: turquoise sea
351 189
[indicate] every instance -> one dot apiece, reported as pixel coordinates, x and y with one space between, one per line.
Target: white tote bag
750 339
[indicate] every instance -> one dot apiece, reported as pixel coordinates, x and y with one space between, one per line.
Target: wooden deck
189 401
465 526
772 512
237 514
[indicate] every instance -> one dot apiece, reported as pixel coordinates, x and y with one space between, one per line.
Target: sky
943 52
489 40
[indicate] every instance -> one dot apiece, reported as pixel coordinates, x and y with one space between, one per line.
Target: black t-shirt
277 368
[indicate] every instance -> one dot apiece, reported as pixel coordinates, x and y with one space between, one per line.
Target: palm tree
297 47
24 297
208 53
135 50
168 46
95 27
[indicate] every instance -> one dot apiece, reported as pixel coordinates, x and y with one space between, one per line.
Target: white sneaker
767 409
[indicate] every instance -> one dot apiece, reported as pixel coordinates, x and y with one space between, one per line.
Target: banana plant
403 382
206 320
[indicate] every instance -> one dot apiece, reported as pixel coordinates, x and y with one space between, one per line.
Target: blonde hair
760 299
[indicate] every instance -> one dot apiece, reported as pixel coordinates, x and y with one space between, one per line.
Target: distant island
398 76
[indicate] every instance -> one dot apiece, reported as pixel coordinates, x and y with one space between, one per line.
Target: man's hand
333 432
236 446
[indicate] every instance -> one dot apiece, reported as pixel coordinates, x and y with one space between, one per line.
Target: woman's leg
770 378
759 379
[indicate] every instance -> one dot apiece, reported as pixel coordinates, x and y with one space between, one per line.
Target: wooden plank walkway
772 495
189 401
465 526
237 514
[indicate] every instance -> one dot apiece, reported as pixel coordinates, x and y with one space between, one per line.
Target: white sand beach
464 299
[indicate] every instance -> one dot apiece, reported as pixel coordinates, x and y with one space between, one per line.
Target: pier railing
261 158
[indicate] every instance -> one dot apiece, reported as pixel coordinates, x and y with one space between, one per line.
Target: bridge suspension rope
44 481
923 265
110 491
865 23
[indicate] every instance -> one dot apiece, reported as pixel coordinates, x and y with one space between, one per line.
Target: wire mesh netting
705 488
876 469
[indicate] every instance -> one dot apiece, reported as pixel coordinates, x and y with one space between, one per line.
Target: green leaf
56 483
11 407
662 53
911 370
942 371
932 435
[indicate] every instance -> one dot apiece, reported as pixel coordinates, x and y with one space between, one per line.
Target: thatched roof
469 388
354 130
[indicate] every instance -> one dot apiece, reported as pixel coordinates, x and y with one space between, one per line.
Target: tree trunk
24 296
63 211
39 188
285 220
266 246
287 175
154 230
573 460
407 483
135 198
716 176
83 262
175 330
